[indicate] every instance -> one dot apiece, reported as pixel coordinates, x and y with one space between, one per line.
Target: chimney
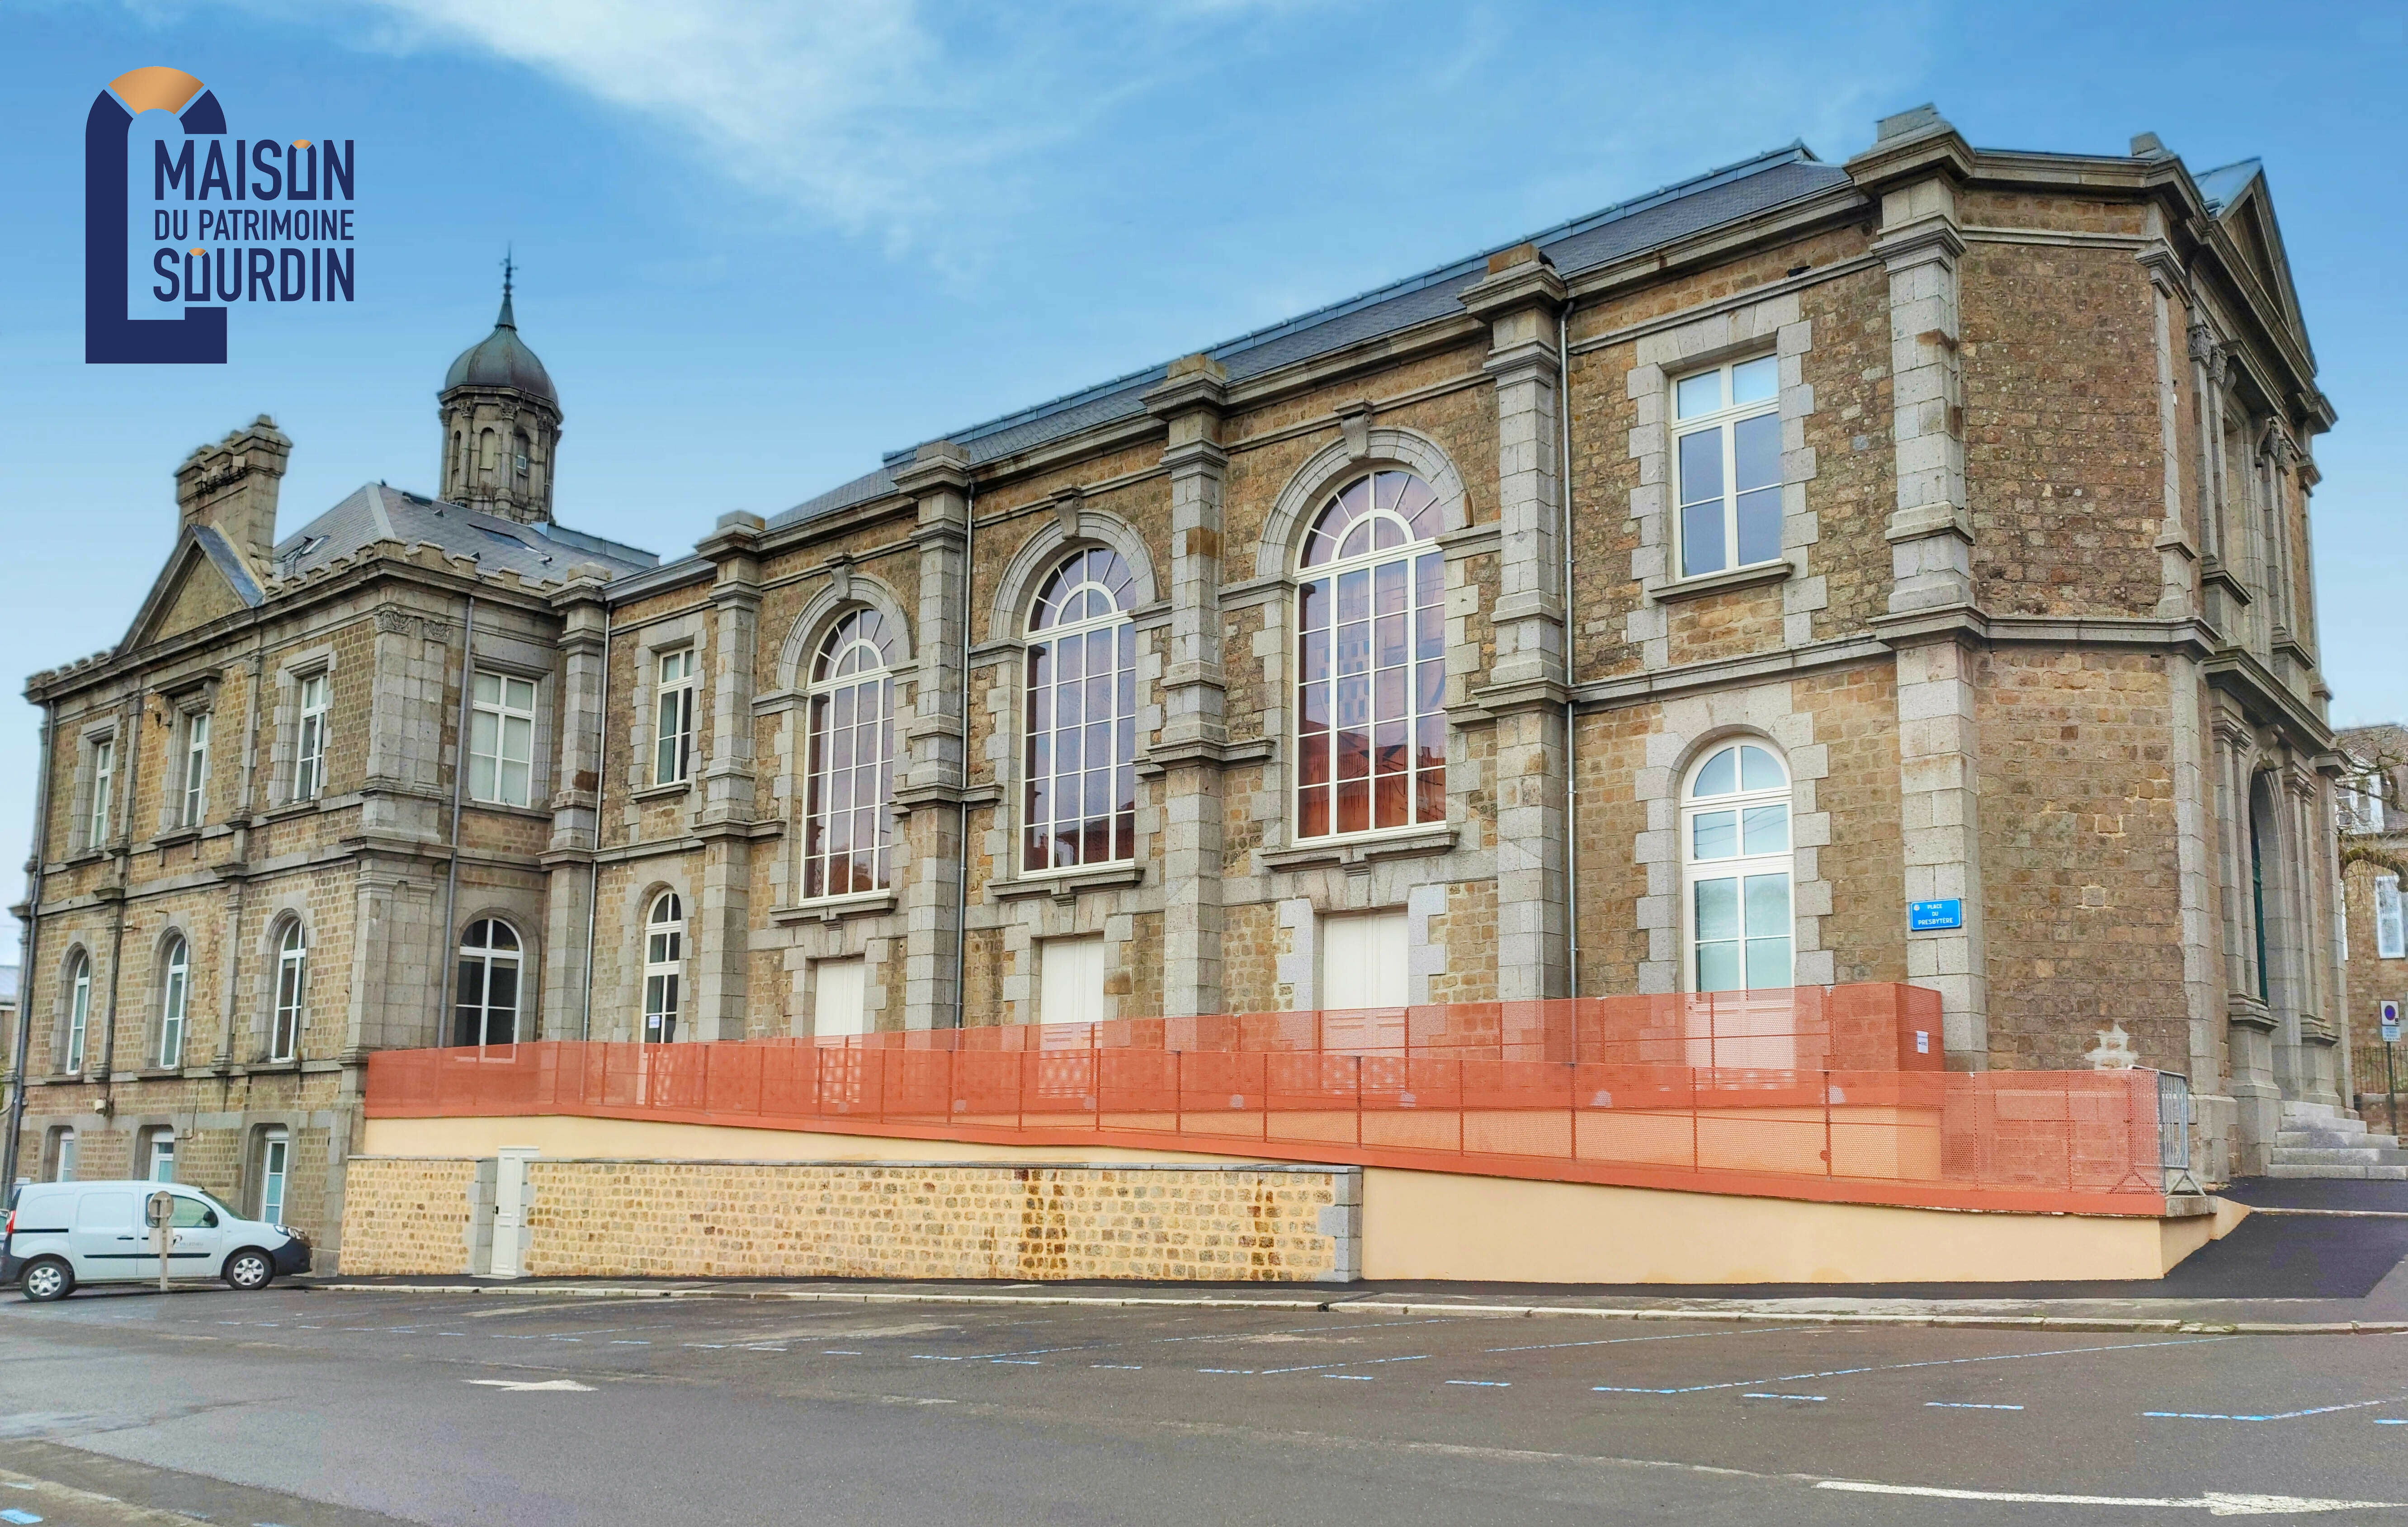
231 486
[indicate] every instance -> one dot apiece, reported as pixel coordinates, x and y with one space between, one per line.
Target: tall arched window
487 1011
1371 661
850 759
663 963
489 450
79 989
175 998
1081 806
1734 858
291 993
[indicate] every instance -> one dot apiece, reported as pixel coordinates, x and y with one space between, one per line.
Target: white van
62 1233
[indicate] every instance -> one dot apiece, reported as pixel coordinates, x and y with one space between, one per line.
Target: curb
2158 1325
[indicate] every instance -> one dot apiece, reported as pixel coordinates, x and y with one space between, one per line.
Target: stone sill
1719 583
662 792
1065 884
1418 843
503 808
836 908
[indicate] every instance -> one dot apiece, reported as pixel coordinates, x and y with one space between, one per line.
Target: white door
1363 960
837 996
108 1239
1070 981
510 1209
197 1240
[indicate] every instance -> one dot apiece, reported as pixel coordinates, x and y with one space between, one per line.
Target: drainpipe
29 949
962 878
601 792
1571 641
443 950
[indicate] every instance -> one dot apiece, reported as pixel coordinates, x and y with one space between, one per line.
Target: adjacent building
1896 569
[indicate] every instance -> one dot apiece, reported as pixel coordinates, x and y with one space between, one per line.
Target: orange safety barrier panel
1725 1093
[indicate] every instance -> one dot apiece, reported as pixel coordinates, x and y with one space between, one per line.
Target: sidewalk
2312 1259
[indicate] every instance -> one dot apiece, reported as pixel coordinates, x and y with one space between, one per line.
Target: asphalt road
327 1409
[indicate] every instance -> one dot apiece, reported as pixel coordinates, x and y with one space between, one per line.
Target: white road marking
2283 1415
2214 1503
1818 1399
1929 1363
523 1387
1481 1383
1964 1404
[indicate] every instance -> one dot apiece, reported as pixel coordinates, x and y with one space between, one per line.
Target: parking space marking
1928 1362
1818 1399
1964 1404
2283 1415
1481 1383
1677 1336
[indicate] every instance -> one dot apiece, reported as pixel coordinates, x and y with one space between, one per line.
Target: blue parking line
1818 1399
1964 1404
1481 1383
2280 1416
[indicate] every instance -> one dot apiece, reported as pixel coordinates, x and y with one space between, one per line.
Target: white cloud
869 113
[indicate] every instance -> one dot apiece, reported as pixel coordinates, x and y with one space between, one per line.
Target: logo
270 221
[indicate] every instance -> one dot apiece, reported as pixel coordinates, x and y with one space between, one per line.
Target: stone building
1663 602
2373 820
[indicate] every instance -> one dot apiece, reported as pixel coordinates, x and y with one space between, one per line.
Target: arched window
489 450
291 993
1371 661
488 1008
850 759
78 989
1735 857
663 963
175 997
1081 806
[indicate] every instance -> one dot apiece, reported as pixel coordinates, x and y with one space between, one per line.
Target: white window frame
159 1150
486 956
1044 645
839 997
1739 866
275 1168
822 772
291 993
663 968
64 1151
673 691
175 1000
494 725
1070 977
1409 555
2390 925
194 784
104 786
1726 419
313 698
79 1012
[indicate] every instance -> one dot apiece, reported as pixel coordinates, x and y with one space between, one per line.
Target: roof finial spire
508 320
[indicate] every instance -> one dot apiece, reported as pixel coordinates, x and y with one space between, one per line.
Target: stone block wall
652 1218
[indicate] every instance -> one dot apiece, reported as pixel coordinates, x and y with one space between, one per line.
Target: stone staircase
2318 1140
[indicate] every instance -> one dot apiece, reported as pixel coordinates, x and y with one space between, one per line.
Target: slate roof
502 359
1670 212
536 553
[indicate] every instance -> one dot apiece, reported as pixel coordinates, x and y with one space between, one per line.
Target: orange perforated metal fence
1700 1094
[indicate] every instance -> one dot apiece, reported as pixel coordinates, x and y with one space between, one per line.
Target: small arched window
1371 661
487 1011
1735 857
291 993
175 999
489 450
78 994
663 963
850 760
1080 805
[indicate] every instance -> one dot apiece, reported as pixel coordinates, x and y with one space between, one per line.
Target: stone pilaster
576 805
1520 298
723 928
928 796
1194 731
2249 1039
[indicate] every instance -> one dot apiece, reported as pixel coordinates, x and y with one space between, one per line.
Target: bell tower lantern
501 425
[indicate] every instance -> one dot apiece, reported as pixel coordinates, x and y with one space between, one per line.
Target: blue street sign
2390 1016
1925 916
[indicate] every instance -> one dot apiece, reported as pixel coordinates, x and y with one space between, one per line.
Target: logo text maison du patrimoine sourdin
232 219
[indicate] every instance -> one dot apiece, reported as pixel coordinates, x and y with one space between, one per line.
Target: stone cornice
1530 281
939 465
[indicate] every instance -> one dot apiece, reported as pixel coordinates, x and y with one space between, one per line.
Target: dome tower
501 425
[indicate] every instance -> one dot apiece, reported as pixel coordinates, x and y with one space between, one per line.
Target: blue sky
760 244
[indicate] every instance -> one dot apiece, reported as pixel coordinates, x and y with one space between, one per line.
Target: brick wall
812 1220
406 1215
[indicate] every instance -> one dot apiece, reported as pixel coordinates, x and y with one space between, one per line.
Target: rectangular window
161 1165
1070 981
837 996
673 730
309 741
63 1156
2390 930
274 1157
291 990
1372 698
501 740
1726 445
1363 960
104 782
196 770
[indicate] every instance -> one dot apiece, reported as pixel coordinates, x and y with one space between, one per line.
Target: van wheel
47 1278
248 1270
